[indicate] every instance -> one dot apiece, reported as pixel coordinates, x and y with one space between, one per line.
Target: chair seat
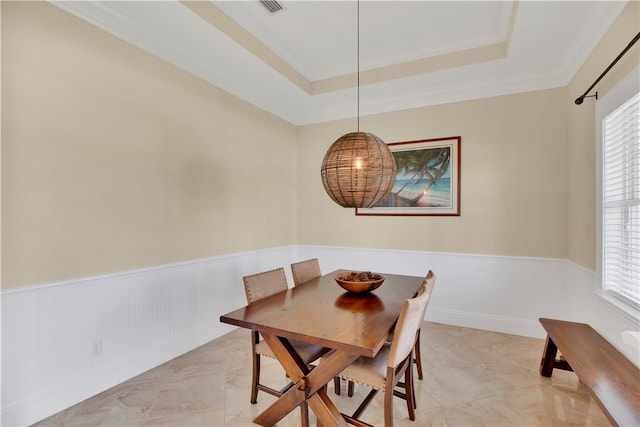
371 372
308 352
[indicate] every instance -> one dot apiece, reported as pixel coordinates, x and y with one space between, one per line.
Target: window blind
621 201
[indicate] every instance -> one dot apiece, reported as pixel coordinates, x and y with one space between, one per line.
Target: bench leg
548 357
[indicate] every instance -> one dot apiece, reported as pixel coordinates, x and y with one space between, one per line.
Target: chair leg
336 385
418 359
410 396
413 392
255 378
388 407
413 381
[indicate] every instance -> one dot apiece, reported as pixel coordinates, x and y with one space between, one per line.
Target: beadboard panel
142 318
502 294
498 293
147 317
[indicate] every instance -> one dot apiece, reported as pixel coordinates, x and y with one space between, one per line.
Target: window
620 134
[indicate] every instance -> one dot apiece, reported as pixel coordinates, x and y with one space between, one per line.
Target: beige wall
514 184
528 169
114 160
581 131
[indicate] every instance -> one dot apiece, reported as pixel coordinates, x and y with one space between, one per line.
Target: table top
321 312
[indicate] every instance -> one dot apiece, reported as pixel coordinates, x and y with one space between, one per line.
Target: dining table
349 325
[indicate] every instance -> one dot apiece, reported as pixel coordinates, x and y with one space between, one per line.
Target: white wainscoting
147 317
497 293
144 318
503 294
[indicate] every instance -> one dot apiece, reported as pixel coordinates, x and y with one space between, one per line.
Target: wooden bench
612 379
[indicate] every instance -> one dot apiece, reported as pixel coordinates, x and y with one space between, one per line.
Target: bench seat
614 382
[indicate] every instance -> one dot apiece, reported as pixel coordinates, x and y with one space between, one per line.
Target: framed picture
427 181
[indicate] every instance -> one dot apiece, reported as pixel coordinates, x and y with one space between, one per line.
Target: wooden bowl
358 287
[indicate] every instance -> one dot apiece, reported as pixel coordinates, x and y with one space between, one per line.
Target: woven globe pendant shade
358 170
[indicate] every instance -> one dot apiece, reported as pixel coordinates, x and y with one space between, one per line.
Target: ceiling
301 63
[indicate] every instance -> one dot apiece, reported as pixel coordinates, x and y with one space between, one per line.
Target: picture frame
427 181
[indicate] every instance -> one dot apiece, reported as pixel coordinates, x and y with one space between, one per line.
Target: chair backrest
261 285
410 320
427 286
304 271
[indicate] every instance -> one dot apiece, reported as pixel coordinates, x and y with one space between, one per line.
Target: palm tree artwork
418 172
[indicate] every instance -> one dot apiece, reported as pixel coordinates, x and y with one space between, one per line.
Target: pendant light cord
358 56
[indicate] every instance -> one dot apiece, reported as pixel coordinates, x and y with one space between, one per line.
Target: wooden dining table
321 312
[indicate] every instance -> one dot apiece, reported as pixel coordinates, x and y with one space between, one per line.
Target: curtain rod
581 98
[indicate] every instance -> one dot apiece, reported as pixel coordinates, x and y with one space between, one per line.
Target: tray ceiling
301 63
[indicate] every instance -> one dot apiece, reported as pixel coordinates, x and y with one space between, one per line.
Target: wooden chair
304 271
393 362
427 286
429 281
259 286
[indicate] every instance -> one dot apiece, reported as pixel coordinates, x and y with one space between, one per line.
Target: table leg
325 410
308 384
278 410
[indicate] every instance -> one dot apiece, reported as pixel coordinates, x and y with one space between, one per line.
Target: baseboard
80 387
505 325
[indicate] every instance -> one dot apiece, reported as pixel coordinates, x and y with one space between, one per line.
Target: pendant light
358 170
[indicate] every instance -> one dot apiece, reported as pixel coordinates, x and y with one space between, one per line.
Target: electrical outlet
96 348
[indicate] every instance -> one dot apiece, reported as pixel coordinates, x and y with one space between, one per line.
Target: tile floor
472 378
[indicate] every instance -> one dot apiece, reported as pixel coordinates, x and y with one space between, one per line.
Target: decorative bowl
359 282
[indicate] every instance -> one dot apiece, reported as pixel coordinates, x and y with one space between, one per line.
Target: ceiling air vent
271 6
